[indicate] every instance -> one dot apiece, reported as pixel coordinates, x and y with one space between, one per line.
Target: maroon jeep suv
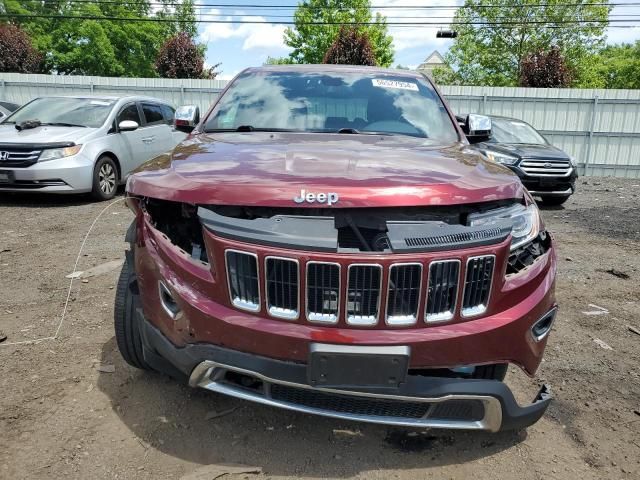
326 241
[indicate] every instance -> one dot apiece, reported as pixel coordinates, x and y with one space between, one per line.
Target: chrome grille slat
323 292
363 294
243 280
282 284
536 167
442 290
403 293
19 157
477 285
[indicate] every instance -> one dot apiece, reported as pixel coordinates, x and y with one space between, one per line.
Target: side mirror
186 118
128 126
477 128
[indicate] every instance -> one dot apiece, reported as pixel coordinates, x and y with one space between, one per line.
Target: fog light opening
168 303
543 326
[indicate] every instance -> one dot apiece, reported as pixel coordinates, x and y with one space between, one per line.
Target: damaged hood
271 169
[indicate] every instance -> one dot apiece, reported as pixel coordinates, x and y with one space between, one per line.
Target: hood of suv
524 150
43 135
271 169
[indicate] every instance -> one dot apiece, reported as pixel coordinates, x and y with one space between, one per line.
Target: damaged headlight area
179 222
525 220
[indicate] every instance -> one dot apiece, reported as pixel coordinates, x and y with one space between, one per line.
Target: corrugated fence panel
600 128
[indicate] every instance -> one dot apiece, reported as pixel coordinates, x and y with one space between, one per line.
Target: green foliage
618 66
102 47
490 55
278 61
311 42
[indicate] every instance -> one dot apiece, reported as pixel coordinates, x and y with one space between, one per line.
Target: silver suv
82 144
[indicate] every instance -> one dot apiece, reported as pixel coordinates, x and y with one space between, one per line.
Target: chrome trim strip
568 191
360 349
404 319
360 320
279 312
442 316
320 317
242 305
208 374
477 309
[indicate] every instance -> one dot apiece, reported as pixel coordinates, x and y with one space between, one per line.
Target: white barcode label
380 82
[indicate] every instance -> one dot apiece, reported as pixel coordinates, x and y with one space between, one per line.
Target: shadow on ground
172 419
47 200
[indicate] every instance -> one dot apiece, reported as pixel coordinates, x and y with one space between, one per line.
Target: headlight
526 222
501 158
56 153
573 161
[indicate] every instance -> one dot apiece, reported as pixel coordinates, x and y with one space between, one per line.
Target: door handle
148 139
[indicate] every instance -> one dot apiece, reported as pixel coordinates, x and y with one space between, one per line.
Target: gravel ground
72 408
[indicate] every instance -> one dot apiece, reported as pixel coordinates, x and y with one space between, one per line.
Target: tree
278 61
16 51
493 41
545 69
350 48
101 45
180 57
618 66
310 42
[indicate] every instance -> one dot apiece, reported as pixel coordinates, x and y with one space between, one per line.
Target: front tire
554 201
105 179
124 315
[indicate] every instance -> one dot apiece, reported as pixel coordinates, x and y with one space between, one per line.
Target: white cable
66 303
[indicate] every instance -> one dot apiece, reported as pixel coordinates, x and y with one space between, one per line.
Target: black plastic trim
37 146
179 362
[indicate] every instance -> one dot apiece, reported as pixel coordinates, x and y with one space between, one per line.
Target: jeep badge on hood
310 197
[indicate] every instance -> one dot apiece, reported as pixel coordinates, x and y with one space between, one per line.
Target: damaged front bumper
434 402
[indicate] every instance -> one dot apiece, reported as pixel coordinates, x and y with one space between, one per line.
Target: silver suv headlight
525 219
56 153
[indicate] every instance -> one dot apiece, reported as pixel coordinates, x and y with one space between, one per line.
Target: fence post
182 94
2 87
484 103
592 126
91 87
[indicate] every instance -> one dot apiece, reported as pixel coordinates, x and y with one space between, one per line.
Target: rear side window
153 113
130 112
168 114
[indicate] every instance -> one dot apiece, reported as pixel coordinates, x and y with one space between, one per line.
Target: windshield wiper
63 124
250 128
348 130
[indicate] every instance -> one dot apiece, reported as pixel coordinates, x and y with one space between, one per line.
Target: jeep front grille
543 167
328 293
363 294
282 287
442 290
403 294
477 285
242 277
323 292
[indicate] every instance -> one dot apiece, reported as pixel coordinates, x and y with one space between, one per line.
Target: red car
325 241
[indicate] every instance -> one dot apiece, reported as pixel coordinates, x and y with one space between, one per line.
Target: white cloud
405 37
255 35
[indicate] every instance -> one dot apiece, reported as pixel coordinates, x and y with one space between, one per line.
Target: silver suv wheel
107 178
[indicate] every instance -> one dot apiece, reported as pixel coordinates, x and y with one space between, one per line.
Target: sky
238 46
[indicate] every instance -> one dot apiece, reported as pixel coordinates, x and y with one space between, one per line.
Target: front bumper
559 186
66 175
434 402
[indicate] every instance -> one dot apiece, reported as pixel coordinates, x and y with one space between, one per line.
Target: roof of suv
336 68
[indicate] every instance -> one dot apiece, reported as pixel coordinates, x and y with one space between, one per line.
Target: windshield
331 102
85 112
513 131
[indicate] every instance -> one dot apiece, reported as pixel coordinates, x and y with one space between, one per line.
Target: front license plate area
6 176
345 367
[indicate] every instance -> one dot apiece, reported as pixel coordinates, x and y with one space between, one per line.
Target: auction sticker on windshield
380 82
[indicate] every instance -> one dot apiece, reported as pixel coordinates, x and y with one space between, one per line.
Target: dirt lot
72 408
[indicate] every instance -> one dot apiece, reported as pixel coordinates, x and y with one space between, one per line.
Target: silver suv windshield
338 102
84 112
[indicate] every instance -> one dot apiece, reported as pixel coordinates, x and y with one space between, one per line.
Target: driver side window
130 112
